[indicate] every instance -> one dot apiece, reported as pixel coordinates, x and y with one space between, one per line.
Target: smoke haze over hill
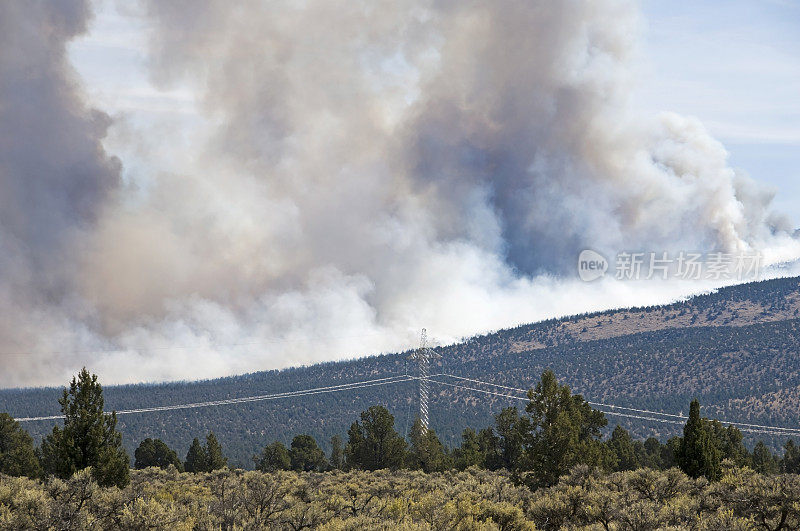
356 172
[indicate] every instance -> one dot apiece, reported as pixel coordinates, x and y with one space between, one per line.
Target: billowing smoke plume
54 180
361 170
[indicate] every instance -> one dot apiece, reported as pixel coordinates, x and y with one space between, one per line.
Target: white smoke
362 169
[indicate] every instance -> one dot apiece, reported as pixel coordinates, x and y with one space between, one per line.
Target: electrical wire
273 396
767 430
653 416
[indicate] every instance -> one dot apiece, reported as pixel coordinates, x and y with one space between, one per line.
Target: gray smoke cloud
361 170
54 179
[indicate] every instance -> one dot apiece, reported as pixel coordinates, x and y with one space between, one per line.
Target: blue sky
736 66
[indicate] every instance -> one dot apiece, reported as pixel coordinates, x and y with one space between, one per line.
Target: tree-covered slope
737 350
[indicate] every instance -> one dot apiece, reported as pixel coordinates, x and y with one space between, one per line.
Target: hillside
737 350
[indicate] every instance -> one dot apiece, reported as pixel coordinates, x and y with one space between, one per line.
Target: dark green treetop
427 452
374 443
155 452
89 437
273 457
306 455
17 453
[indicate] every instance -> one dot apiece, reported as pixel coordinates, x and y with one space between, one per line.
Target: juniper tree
17 454
273 457
155 452
621 445
374 443
89 437
195 457
470 452
306 455
561 430
215 459
790 464
763 460
699 453
511 430
337 452
427 452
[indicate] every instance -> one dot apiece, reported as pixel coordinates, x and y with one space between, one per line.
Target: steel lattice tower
423 355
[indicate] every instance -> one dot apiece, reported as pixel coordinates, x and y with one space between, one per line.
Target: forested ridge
736 350
546 465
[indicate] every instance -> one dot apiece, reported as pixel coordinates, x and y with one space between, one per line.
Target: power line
643 414
274 396
749 428
600 404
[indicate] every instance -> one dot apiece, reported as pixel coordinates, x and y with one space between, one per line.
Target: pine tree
763 460
155 452
670 452
214 458
622 446
510 429
17 454
490 449
195 458
729 441
306 455
337 452
699 453
89 437
427 452
652 456
470 452
374 443
560 431
274 457
790 464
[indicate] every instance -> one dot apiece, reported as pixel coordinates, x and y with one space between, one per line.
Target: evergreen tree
729 441
490 448
622 447
337 452
214 457
306 455
561 431
763 460
17 453
427 452
670 452
699 453
790 464
652 455
89 437
274 457
374 443
510 429
195 458
155 452
470 452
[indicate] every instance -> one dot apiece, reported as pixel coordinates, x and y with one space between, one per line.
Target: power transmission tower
423 356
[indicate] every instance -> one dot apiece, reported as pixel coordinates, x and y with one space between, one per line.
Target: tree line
556 431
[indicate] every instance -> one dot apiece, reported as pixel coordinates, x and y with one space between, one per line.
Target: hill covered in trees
736 350
545 467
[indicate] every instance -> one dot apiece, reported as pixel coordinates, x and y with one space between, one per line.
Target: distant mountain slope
737 350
